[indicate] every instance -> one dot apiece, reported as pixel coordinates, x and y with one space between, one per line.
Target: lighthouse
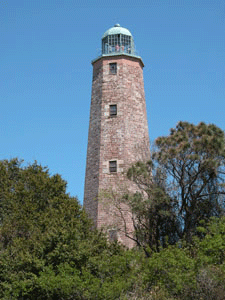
118 133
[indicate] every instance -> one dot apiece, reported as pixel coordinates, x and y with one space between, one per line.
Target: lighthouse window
113 166
113 68
113 110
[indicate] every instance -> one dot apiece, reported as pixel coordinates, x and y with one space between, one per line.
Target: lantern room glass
118 43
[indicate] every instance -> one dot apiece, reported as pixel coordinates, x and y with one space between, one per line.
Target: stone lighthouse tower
118 132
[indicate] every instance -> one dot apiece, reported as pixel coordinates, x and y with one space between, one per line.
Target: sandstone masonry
116 140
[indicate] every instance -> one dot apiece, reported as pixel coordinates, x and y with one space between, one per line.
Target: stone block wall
122 138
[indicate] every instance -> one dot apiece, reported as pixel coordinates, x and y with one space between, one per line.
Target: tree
153 210
48 249
193 271
193 158
182 185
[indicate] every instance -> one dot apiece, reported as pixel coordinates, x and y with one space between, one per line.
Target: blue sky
46 50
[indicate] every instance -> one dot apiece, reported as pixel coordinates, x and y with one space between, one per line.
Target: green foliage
183 185
48 249
171 269
212 246
188 271
194 159
153 209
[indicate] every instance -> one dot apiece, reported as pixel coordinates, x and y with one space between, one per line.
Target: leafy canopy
182 185
48 248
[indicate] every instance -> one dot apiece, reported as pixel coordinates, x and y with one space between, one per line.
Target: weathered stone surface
122 138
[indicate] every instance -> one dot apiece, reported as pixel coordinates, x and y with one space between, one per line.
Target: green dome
118 41
117 29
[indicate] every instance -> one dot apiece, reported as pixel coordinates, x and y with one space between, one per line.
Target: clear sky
46 49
